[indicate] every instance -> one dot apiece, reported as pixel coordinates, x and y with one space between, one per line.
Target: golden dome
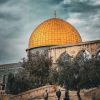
52 32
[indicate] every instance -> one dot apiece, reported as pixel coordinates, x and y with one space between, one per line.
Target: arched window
98 55
84 55
64 57
87 55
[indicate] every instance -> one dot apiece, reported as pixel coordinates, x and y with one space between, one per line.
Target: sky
18 18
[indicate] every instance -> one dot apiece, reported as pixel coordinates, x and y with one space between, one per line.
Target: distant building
5 69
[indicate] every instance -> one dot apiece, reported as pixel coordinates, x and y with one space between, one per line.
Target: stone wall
31 94
93 94
92 47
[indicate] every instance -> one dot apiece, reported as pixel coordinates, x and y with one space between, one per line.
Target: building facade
58 37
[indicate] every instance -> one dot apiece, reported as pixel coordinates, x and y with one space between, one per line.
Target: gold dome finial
55 15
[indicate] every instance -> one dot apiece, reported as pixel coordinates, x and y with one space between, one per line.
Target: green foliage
65 69
35 73
79 72
53 76
71 72
38 66
17 84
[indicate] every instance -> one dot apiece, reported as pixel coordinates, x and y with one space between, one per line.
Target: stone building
58 38
5 69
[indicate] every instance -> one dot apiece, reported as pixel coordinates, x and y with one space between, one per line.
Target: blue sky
18 18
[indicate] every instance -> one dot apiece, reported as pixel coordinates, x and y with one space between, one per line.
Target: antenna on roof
55 15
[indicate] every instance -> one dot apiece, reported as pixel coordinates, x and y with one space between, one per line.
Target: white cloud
88 27
67 1
91 2
73 18
94 2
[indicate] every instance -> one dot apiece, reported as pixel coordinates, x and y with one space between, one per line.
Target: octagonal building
57 37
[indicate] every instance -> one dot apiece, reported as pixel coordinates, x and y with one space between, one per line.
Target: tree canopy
82 70
35 73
